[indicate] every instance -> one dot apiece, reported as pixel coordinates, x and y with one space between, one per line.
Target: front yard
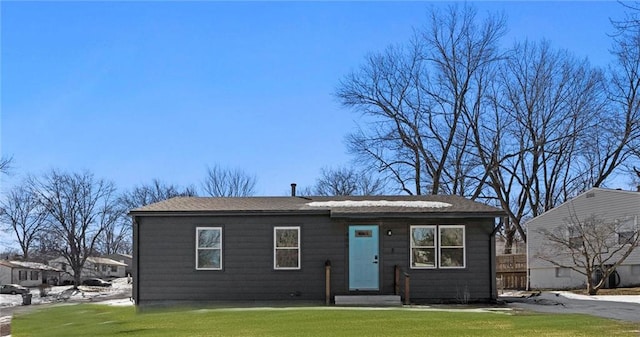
102 320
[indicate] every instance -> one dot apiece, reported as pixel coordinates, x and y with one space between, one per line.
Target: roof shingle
401 205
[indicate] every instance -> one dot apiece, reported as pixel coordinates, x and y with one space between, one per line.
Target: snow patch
379 203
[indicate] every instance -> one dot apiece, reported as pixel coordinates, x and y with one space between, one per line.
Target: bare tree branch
79 208
224 182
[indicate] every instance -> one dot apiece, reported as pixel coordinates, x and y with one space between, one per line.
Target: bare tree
79 208
415 98
5 164
116 237
225 182
347 181
155 191
631 21
620 131
541 108
592 247
21 211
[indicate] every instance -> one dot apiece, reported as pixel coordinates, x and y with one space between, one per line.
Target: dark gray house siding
164 263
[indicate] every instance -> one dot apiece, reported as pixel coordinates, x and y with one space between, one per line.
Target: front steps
368 300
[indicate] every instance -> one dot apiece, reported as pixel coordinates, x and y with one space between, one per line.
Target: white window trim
275 248
464 248
435 246
198 229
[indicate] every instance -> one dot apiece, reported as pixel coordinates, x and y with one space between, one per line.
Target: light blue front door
364 272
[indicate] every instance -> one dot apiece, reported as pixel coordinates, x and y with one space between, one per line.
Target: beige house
100 267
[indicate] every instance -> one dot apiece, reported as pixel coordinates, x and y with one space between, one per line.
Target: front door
364 272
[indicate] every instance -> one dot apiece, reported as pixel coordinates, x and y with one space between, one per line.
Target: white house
617 209
100 267
28 274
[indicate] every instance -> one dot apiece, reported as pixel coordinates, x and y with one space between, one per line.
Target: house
618 207
312 249
28 274
123 258
100 267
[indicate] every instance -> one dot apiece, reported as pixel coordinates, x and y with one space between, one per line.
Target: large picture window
452 247
209 248
286 248
423 247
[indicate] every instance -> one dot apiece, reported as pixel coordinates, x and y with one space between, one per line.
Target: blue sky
139 90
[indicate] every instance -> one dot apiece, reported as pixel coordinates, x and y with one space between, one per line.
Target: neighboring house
100 267
28 274
609 206
123 258
258 249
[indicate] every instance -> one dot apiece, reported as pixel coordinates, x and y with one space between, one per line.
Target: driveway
624 308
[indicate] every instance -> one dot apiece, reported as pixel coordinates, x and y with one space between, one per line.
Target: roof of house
119 255
104 260
94 260
337 206
631 198
28 265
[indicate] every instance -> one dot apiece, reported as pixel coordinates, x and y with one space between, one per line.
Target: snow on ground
609 298
120 288
574 296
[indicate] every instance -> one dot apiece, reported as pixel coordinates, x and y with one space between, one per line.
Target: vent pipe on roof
638 188
293 189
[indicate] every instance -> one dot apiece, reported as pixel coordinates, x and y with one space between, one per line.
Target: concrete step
369 300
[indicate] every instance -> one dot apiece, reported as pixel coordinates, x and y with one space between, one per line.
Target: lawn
101 320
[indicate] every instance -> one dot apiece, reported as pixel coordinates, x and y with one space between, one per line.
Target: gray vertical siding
164 265
442 285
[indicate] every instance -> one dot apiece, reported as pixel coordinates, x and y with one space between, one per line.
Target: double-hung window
423 247
286 248
209 248
452 246
441 246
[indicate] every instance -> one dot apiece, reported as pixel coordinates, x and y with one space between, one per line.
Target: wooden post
407 291
396 280
327 282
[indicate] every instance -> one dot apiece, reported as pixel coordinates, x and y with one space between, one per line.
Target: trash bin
26 299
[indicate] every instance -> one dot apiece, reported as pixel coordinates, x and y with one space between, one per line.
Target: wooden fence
511 271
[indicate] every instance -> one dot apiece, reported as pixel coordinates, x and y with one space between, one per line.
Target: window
635 269
22 275
575 237
34 275
104 267
114 269
563 272
452 247
626 237
209 248
286 248
423 247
